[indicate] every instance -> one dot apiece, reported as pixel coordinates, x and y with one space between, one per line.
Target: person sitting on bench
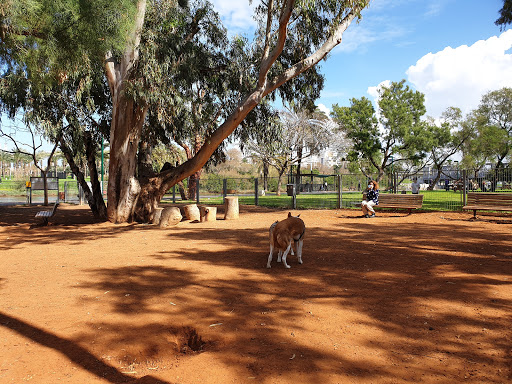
371 199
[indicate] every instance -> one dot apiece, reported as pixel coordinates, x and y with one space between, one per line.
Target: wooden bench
400 201
46 215
488 201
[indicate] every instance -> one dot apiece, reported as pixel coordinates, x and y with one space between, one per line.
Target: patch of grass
433 200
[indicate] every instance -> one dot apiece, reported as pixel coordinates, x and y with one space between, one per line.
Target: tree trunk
45 187
182 191
434 182
280 179
123 186
192 184
265 176
148 200
125 128
144 161
95 200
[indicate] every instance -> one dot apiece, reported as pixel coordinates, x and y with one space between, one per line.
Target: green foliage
212 183
448 137
401 110
359 123
54 38
162 154
398 134
492 124
505 14
184 80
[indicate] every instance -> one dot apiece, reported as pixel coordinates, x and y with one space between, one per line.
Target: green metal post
102 149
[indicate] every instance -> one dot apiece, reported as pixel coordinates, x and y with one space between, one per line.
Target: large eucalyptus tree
49 41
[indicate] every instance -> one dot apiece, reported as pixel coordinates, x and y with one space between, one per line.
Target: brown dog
284 234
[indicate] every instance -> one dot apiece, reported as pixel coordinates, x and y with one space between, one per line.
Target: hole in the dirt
190 341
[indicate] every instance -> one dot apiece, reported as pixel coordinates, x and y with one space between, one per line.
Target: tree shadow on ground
403 301
74 352
79 224
428 294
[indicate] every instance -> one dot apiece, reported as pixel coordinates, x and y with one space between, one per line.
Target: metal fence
312 191
446 192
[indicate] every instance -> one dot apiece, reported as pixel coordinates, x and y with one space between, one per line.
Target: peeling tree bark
125 130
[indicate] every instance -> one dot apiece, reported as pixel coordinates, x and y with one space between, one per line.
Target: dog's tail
301 235
271 229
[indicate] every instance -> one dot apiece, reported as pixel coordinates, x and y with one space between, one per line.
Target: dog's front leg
270 257
279 255
286 254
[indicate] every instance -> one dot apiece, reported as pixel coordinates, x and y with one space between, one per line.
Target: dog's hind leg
286 254
299 251
270 256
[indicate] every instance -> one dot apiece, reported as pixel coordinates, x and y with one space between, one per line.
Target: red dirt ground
424 298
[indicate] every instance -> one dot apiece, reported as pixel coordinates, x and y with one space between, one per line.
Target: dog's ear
289 214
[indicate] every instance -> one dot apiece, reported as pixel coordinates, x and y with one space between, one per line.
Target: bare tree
302 136
31 149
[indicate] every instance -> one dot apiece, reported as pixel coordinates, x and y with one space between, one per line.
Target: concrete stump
170 216
192 212
208 214
157 215
231 206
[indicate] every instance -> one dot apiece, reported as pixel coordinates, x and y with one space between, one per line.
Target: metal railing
345 191
323 191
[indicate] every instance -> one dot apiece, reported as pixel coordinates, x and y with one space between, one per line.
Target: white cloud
324 109
326 93
358 36
433 8
459 77
381 5
236 15
374 91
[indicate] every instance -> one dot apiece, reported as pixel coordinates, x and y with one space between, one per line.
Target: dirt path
424 298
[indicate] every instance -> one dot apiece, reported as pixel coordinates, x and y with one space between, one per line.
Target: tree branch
269 58
313 59
253 99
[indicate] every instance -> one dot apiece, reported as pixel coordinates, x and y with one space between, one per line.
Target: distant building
328 158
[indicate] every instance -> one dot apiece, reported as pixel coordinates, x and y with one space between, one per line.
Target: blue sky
450 50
